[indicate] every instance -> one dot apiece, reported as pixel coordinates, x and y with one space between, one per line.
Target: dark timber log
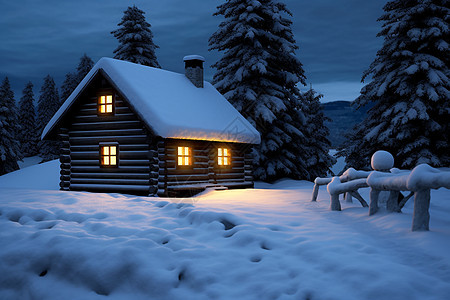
107 125
64 159
95 140
109 181
112 175
98 169
127 189
162 178
123 147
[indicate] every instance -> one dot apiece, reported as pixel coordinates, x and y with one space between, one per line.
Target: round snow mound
382 160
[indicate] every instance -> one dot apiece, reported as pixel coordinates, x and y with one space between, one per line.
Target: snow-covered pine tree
319 161
135 39
258 74
48 104
68 86
9 129
85 65
410 88
73 79
28 137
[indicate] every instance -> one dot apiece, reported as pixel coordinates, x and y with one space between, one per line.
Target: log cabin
135 129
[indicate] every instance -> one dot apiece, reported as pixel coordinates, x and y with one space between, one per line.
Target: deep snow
270 242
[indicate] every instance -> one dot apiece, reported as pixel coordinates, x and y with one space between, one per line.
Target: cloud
336 38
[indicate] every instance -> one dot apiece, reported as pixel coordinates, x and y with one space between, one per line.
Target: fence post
348 197
421 215
392 203
335 204
373 205
315 192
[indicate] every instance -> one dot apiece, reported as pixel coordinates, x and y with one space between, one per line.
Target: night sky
337 38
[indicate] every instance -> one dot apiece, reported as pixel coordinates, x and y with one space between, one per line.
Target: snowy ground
265 243
29 161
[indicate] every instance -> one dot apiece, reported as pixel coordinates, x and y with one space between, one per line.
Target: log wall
137 169
173 179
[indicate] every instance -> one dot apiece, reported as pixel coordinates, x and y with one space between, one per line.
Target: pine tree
48 104
68 86
9 129
410 88
135 39
319 160
72 80
258 74
84 67
27 119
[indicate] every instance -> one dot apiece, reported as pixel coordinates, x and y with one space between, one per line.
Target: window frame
189 155
101 155
99 104
229 156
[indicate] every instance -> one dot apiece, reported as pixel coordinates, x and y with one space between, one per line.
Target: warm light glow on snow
184 156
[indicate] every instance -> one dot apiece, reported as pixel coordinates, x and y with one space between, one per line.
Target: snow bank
37 177
265 243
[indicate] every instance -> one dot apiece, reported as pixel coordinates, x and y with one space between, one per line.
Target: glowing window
105 104
184 156
223 157
108 155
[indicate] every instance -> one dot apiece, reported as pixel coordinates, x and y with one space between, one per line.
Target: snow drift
265 243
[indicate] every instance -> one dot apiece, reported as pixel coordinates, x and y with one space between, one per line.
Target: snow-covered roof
170 104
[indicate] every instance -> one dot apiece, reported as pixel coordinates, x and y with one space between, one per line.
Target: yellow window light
184 156
105 104
223 157
108 155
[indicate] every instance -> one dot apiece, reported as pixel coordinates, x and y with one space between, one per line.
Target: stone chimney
193 69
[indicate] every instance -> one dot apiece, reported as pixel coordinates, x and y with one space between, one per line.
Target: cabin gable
86 130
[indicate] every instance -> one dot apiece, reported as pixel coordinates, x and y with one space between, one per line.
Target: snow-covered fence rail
336 187
350 177
420 181
317 183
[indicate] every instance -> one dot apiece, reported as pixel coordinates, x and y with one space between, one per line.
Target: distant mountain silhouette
343 117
